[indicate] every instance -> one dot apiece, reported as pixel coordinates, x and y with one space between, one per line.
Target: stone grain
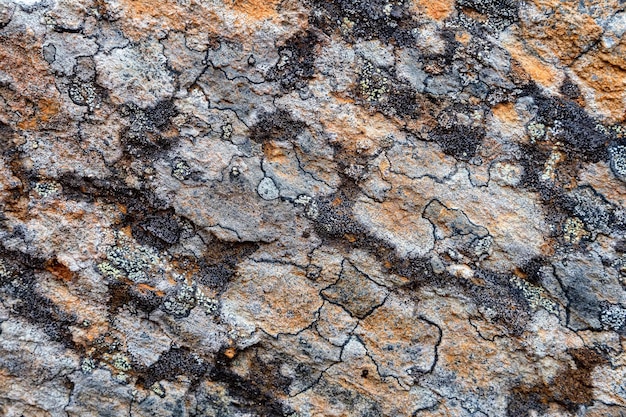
312 208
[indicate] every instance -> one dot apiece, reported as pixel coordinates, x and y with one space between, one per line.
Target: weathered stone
319 208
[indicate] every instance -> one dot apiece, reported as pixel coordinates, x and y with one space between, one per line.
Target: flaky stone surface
312 208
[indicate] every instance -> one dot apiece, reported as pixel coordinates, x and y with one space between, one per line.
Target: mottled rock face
312 208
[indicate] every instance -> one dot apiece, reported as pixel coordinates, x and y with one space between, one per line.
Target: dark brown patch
296 65
142 297
278 126
256 394
174 362
59 270
220 260
571 388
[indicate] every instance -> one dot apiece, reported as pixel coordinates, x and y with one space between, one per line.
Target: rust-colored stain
607 80
45 110
274 153
145 289
20 56
548 247
463 37
566 32
571 387
127 231
506 113
230 352
476 15
122 208
60 271
342 98
350 237
186 267
170 11
438 9
144 17
538 70
435 9
256 9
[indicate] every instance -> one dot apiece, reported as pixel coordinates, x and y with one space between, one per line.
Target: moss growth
535 295
180 303
121 362
181 170
574 230
46 188
536 131
373 83
128 259
88 365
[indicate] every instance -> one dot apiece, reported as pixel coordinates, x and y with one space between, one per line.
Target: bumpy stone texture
312 208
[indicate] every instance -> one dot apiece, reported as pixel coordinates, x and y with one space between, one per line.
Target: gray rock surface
312 208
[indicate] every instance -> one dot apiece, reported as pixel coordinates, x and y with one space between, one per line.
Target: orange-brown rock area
312 208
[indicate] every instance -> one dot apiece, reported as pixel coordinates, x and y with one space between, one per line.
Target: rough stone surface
312 208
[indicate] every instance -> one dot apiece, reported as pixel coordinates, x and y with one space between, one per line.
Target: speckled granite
312 208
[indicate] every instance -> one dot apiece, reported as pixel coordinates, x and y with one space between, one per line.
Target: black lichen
459 141
571 388
219 262
122 294
18 278
391 22
572 126
159 229
333 217
176 361
278 126
255 394
569 89
296 63
501 13
145 135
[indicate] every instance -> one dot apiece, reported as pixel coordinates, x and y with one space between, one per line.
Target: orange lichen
436 9
539 71
566 34
146 289
256 9
608 82
274 153
60 271
506 113
463 37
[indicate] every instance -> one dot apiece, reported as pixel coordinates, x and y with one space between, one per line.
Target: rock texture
312 208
